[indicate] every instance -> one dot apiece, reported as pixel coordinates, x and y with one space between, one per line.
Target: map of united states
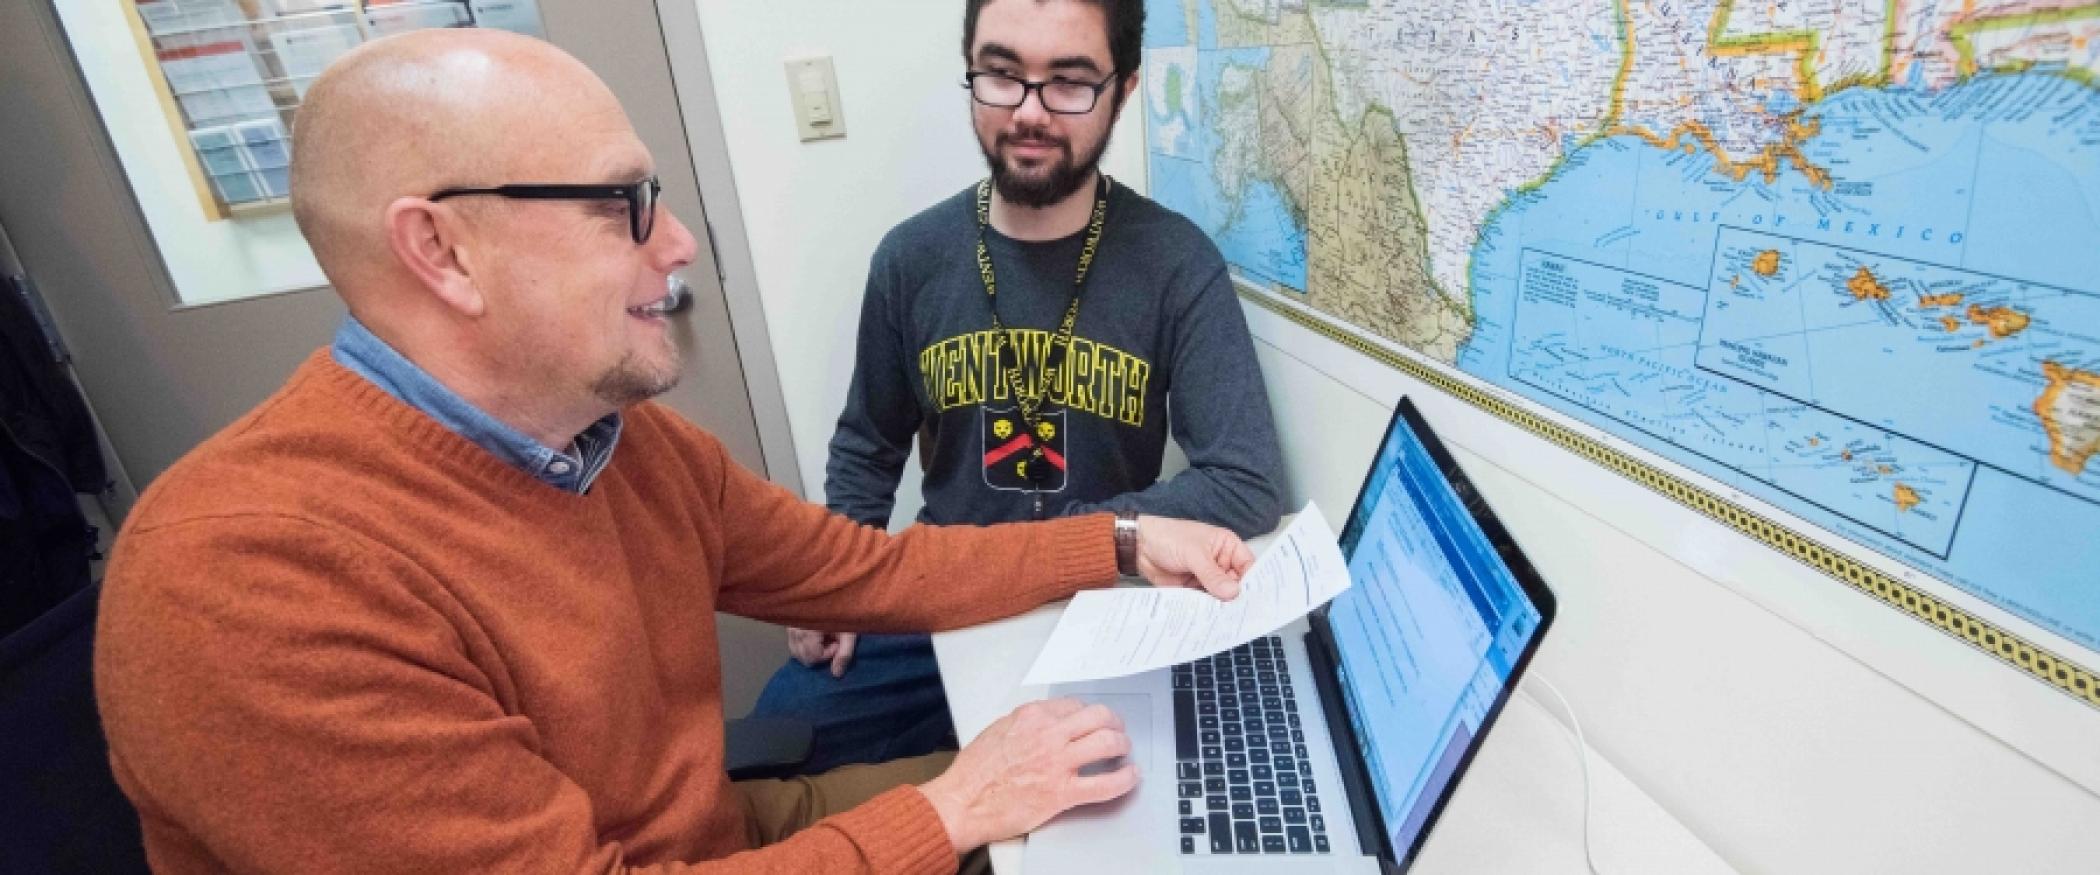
1842 255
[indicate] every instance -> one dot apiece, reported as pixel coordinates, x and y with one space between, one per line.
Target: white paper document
1115 632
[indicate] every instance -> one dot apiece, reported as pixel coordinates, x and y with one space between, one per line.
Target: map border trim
2072 679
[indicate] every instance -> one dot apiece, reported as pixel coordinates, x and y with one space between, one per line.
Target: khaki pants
780 808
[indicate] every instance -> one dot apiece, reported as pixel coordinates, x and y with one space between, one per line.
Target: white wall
1779 750
1758 731
814 211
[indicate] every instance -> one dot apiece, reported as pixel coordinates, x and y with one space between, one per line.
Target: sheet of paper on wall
1115 632
189 16
516 16
267 9
305 51
394 16
216 82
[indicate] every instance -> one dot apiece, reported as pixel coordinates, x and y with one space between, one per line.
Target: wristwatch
1126 543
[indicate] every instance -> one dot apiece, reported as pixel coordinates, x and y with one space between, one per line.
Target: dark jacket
48 452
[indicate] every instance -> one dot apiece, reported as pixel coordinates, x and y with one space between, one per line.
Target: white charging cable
1582 749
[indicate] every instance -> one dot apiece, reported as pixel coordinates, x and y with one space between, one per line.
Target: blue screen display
1428 634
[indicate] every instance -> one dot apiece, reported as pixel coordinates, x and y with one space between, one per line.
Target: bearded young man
1041 333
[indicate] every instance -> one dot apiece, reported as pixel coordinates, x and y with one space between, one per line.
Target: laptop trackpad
1138 829
1136 711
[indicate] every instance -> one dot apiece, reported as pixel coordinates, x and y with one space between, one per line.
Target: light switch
814 92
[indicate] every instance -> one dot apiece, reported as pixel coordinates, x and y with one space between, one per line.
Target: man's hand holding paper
1205 557
1116 632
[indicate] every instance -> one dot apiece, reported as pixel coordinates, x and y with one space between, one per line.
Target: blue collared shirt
358 349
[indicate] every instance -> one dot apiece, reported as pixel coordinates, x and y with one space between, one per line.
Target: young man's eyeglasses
640 197
1062 96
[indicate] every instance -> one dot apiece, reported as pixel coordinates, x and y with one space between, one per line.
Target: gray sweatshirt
1160 344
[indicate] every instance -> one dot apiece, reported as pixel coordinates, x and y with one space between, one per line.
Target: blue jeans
889 705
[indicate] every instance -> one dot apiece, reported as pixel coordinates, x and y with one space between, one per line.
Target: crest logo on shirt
1009 459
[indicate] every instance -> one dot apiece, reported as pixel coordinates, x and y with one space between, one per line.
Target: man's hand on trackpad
1174 552
1028 767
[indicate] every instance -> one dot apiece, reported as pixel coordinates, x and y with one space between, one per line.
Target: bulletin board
230 74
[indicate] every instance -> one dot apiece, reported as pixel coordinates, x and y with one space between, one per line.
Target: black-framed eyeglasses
1061 96
640 197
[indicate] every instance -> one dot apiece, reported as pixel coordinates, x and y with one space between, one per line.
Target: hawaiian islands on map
1864 287
2070 412
1766 263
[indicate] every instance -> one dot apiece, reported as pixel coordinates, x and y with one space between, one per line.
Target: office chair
60 809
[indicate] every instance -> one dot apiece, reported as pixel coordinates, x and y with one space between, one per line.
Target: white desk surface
1518 808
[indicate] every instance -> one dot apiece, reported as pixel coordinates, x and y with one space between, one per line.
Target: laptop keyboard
1245 783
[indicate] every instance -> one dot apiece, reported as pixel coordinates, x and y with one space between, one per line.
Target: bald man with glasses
446 601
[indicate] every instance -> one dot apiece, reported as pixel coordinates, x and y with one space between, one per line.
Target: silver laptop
1333 745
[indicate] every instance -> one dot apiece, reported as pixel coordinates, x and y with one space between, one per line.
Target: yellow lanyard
1031 403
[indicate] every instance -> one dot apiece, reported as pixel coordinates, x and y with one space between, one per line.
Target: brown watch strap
1126 543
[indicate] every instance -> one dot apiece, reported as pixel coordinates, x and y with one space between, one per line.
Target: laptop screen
1429 634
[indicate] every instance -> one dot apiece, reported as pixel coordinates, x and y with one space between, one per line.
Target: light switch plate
813 90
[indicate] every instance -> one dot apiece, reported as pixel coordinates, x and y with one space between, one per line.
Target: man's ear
425 237
1125 90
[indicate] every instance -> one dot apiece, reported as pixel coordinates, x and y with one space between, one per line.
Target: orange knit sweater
339 637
